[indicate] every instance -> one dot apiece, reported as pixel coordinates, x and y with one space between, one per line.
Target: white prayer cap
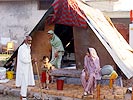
50 32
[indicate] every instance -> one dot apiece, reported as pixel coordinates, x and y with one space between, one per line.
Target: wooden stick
39 81
98 91
111 83
132 94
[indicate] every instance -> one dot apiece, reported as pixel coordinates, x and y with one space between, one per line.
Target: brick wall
41 46
123 29
122 25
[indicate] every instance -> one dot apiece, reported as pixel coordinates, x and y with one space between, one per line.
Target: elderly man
24 72
57 49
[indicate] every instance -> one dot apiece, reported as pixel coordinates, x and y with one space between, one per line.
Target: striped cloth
68 13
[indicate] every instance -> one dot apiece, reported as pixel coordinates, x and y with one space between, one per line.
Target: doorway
65 33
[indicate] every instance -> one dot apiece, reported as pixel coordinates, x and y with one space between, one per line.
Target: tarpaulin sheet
68 13
112 40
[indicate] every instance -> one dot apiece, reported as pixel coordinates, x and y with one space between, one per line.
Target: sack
106 70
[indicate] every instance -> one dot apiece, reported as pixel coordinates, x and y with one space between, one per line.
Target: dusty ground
8 97
126 83
71 90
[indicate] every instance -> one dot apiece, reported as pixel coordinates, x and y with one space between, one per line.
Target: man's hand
86 77
34 60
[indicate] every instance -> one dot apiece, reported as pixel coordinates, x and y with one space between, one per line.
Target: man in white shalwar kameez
57 49
24 72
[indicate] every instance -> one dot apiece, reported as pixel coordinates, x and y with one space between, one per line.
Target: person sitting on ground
108 71
46 70
91 71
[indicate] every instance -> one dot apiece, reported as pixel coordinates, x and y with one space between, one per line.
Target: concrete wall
102 5
111 5
41 45
18 18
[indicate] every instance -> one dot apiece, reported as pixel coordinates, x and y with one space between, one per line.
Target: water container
60 84
10 74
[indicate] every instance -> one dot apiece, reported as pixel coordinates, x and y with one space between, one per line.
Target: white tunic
24 72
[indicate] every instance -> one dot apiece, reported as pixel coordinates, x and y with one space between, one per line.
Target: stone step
66 73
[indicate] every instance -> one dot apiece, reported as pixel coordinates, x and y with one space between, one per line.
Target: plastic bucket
9 74
60 84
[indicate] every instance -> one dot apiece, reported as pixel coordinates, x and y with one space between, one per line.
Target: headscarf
93 53
94 59
55 41
50 32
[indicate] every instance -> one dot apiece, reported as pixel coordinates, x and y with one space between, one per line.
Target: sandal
89 93
24 98
85 93
47 88
42 87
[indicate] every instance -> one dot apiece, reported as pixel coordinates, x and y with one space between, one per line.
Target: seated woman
108 71
91 71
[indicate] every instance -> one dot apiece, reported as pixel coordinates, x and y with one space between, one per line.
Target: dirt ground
127 82
8 97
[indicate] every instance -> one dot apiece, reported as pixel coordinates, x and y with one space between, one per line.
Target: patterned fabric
45 77
92 65
68 13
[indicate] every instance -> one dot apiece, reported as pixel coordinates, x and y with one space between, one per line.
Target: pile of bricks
115 93
70 91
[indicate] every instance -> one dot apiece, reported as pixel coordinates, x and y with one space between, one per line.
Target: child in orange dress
46 69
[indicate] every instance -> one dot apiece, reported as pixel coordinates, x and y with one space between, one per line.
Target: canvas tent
118 48
90 29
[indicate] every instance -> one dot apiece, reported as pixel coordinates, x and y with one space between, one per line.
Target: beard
29 45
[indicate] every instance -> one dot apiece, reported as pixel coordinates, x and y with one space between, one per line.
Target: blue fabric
107 70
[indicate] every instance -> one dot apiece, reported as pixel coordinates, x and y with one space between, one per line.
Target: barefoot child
46 68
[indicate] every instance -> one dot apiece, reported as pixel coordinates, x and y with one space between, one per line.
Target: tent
90 28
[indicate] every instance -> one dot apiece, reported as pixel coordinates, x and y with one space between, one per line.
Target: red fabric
131 15
68 13
43 77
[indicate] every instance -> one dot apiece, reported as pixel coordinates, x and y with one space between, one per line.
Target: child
46 68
